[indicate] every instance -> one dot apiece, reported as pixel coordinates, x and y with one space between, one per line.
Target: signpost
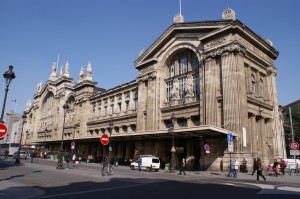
230 142
104 139
294 145
73 145
294 148
207 148
3 130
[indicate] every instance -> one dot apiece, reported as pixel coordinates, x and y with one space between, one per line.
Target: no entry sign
3 130
104 139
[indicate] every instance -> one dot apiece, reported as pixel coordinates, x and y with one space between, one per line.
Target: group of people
233 168
277 168
257 167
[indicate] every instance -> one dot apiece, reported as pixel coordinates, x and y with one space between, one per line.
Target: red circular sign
3 130
104 139
294 145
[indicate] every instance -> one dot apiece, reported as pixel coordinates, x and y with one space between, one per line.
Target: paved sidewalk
247 177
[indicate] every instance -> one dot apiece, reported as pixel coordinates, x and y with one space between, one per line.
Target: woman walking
259 170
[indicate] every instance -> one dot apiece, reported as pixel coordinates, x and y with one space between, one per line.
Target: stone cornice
231 47
146 77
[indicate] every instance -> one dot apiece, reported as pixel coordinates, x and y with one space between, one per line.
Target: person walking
282 166
33 154
140 164
235 168
182 165
221 165
6 154
67 159
254 166
259 170
231 167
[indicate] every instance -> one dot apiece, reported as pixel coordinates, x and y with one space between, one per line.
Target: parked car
23 155
149 163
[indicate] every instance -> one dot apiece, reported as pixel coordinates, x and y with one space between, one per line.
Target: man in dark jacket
254 166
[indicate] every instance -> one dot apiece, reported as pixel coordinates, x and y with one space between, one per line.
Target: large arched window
47 108
183 76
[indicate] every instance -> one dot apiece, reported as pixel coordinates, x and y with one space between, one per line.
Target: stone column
254 140
142 97
210 92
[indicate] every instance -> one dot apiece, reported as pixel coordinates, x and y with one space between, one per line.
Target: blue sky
110 34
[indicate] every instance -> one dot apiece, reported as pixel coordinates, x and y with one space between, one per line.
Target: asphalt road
41 180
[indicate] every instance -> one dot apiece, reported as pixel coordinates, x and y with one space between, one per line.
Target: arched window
172 69
176 83
48 105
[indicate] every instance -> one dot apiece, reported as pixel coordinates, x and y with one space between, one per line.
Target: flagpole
16 105
57 59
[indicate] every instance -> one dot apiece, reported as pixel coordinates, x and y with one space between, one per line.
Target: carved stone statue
39 86
61 70
81 74
54 67
89 71
67 73
189 86
53 71
175 90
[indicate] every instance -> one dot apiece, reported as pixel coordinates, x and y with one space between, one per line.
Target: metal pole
292 130
60 158
20 143
3 107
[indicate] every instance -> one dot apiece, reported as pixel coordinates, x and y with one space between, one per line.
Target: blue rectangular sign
229 137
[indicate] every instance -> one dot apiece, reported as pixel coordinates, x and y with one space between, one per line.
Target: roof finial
179 18
228 14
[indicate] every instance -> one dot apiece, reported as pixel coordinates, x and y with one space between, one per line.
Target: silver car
23 155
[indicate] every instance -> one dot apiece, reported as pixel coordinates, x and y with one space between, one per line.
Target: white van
291 164
149 163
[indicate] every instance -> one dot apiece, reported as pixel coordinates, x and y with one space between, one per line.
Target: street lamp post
20 143
46 130
111 124
8 75
172 162
60 155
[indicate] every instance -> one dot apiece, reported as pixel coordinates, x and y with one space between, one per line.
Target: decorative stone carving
228 14
178 18
147 77
271 71
189 86
67 72
81 74
232 47
61 70
39 86
53 71
89 71
175 90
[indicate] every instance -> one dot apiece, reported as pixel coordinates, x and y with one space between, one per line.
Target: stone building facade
217 77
